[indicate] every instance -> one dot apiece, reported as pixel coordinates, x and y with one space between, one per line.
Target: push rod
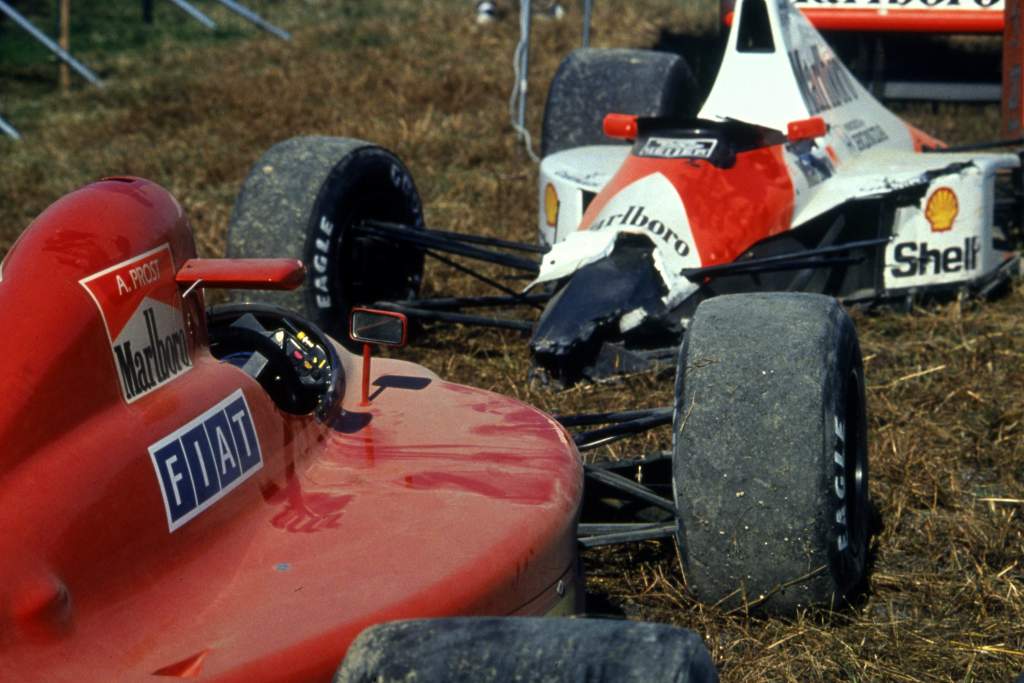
428 240
482 278
448 303
464 237
598 437
596 535
648 460
627 485
606 418
446 316
493 242
802 258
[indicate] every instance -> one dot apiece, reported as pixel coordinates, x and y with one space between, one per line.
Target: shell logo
551 205
942 209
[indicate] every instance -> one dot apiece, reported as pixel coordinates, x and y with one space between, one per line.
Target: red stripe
901 20
909 20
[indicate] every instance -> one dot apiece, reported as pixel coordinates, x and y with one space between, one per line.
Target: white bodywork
626 214
575 174
867 152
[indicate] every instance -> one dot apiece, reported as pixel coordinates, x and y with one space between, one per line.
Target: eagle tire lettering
321 263
308 206
344 267
779 487
839 488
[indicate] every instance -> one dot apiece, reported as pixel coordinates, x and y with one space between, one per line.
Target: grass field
193 110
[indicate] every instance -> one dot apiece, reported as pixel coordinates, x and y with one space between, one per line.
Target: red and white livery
792 176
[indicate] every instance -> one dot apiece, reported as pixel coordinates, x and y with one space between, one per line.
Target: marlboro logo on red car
141 309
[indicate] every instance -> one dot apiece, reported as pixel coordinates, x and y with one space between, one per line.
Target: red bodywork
728 209
896 16
437 499
907 21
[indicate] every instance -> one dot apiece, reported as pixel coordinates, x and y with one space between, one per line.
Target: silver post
588 8
244 11
50 45
193 12
9 130
526 20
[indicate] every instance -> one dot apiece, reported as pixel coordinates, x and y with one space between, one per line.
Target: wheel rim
366 270
855 466
358 256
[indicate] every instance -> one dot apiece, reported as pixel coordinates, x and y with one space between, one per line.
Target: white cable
519 86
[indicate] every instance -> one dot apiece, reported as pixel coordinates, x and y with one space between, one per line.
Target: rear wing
1012 114
906 16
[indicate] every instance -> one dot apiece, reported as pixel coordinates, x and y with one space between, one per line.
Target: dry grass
945 396
947 455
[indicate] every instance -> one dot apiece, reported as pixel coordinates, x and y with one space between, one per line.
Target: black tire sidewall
592 82
846 522
525 648
369 183
713 564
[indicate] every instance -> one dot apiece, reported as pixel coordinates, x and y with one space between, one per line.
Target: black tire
592 82
300 200
770 466
528 650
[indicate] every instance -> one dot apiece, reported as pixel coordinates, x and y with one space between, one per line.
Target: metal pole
526 20
588 7
147 11
247 13
195 14
9 130
48 43
64 21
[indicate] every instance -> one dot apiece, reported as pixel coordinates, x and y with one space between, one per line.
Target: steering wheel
293 369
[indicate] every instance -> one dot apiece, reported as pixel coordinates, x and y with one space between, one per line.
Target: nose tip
601 302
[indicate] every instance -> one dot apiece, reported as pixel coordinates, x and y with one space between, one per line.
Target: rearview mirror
806 129
372 326
620 126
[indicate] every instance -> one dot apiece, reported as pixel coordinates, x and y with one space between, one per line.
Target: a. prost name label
199 463
141 309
